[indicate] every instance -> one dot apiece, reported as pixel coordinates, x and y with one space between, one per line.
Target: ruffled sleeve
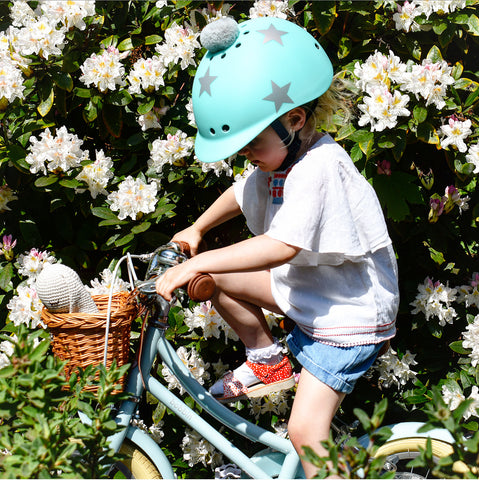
252 196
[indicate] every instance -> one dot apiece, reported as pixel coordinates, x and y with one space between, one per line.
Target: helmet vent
225 128
238 45
212 131
223 56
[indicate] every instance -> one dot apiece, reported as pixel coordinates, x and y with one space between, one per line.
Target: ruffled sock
270 355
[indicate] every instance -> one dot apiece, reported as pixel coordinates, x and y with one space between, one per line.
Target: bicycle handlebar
202 286
199 289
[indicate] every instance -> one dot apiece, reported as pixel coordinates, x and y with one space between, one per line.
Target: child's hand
191 236
175 277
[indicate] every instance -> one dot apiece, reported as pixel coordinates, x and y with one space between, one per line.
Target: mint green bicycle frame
279 459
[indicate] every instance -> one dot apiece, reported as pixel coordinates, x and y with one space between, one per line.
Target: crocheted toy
61 290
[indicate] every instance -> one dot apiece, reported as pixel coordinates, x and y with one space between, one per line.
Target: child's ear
296 118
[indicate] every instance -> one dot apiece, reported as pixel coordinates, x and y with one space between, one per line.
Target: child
320 253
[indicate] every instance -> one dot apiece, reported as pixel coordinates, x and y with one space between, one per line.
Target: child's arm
223 209
254 254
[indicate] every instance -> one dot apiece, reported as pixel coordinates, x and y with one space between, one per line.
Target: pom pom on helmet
220 34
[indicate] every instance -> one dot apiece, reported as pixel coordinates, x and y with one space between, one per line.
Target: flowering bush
96 158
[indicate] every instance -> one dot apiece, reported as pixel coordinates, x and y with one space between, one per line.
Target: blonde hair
337 100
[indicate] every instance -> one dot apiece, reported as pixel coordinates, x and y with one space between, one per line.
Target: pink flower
6 248
384 167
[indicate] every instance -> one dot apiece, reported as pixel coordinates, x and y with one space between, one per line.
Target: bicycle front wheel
399 452
136 465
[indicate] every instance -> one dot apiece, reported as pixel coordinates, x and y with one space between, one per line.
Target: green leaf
70 183
46 181
82 92
120 98
103 212
427 133
46 105
324 14
473 25
125 240
144 108
6 275
63 80
419 113
458 348
434 54
396 192
152 39
142 227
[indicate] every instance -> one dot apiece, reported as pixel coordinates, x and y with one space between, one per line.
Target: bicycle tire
401 451
137 464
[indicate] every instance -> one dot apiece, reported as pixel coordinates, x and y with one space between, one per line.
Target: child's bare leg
239 298
313 409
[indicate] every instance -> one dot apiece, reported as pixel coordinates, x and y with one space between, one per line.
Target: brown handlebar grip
201 287
185 248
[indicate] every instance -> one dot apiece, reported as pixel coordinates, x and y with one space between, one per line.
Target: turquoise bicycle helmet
252 74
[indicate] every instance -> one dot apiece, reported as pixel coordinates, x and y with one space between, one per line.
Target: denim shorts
338 367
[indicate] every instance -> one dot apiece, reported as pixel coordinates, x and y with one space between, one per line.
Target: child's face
267 151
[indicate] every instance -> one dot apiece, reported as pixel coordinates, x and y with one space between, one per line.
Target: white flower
218 168
195 364
204 316
97 174
270 8
147 74
21 13
381 108
471 340
105 71
434 300
197 450
404 18
429 81
6 196
40 36
69 13
26 308
469 294
6 351
11 80
133 196
171 151
452 395
191 115
442 7
472 410
149 120
161 3
179 46
245 173
454 133
61 152
32 263
106 282
276 402
395 371
473 157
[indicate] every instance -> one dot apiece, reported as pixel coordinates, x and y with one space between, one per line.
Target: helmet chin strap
291 140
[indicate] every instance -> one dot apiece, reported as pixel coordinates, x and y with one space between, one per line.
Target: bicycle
146 459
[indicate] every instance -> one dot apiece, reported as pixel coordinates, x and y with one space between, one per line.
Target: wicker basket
79 338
